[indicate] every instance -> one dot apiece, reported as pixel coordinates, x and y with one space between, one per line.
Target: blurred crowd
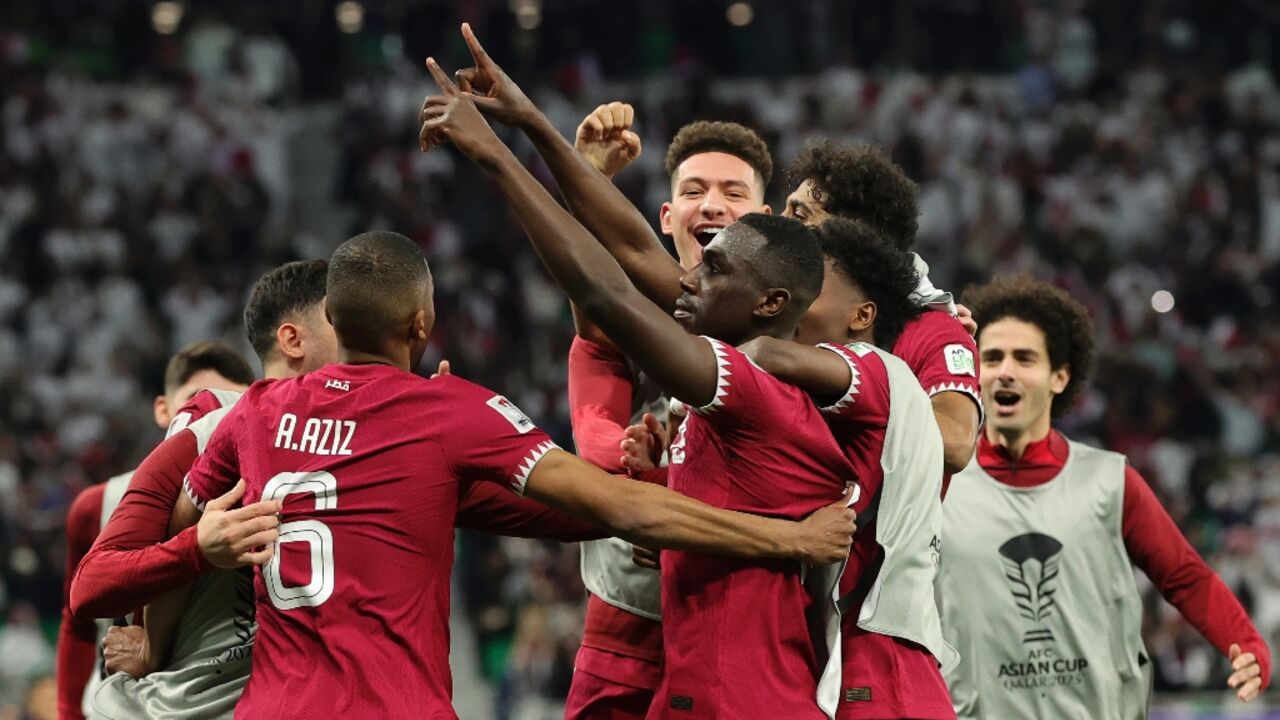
137 207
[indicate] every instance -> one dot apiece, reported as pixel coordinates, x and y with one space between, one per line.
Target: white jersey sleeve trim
963 390
191 493
722 378
855 382
521 476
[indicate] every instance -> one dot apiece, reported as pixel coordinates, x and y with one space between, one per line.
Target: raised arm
656 517
606 213
683 365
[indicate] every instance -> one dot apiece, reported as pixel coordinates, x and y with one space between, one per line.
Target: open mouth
1006 399
704 236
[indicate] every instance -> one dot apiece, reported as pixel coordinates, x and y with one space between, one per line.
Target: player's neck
1016 442
778 332
867 336
395 357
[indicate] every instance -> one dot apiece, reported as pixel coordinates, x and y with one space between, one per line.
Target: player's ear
1059 379
664 218
420 326
160 409
774 302
767 209
862 316
289 341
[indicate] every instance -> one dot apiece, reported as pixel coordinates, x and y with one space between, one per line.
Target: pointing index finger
473 44
438 74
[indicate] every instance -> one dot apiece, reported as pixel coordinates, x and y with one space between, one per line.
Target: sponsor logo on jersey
959 360
508 410
332 384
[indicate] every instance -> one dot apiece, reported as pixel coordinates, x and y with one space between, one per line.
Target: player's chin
1005 419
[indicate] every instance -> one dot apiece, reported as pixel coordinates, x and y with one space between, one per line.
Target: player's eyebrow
704 182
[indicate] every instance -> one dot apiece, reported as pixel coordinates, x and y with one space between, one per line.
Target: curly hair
887 275
725 137
860 182
1067 327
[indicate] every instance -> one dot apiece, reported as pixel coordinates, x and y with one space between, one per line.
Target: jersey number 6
314 533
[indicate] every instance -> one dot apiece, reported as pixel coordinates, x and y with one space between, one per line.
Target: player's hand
244 536
644 557
493 91
965 316
1247 678
452 116
826 536
643 444
442 369
124 649
606 140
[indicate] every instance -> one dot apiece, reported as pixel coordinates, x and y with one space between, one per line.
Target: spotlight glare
528 18
740 14
350 16
1162 301
165 17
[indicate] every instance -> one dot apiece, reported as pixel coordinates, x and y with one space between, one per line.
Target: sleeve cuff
188 543
969 392
525 469
855 381
722 378
191 493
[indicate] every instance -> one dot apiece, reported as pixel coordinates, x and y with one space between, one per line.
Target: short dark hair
725 137
206 355
860 182
1067 328
791 258
375 281
886 274
284 292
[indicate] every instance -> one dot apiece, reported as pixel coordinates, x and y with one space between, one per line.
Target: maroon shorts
887 677
607 686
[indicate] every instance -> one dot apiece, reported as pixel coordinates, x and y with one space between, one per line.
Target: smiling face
723 293
1018 381
709 191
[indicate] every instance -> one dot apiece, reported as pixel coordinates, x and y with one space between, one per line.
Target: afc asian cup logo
1031 567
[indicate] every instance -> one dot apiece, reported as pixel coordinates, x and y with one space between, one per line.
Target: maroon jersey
943 356
941 353
353 608
901 677
737 645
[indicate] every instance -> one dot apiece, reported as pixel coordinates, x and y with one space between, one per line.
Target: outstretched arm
683 365
606 213
654 516
1156 545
